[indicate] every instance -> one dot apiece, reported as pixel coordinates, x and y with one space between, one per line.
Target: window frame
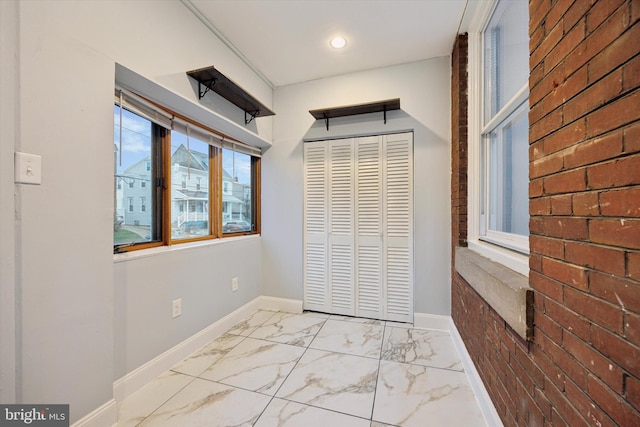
162 202
508 249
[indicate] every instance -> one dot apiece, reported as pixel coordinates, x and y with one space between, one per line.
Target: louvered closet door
341 220
369 227
398 213
359 226
316 292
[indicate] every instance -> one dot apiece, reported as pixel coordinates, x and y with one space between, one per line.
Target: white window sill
145 253
504 289
513 260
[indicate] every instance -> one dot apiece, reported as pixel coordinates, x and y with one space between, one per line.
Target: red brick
561 205
571 39
617 173
631 74
537 12
632 328
594 361
545 325
632 138
594 96
617 290
633 265
545 285
565 137
535 76
546 165
625 202
547 246
584 405
551 38
553 374
574 13
566 182
601 258
614 115
612 404
563 227
540 206
568 274
595 42
546 125
620 51
623 232
592 151
586 204
564 412
564 360
594 309
536 188
633 392
568 319
535 38
620 351
570 87
600 12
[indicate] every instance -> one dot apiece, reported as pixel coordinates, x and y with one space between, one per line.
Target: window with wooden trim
176 169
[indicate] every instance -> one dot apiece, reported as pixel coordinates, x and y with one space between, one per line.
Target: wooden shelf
351 110
209 78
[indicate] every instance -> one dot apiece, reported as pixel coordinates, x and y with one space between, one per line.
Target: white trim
512 259
138 378
105 415
431 321
489 412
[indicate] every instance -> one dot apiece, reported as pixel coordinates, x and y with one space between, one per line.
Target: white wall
81 321
424 91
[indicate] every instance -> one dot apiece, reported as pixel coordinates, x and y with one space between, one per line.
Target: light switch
28 168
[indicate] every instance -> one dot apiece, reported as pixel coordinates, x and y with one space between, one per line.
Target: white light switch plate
28 168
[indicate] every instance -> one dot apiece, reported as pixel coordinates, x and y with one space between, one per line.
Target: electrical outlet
176 308
234 284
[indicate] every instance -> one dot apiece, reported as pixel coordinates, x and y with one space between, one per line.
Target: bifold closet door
358 226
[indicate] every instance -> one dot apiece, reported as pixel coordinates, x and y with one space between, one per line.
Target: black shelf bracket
326 122
208 85
250 115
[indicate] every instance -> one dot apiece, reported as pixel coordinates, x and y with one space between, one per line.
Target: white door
358 226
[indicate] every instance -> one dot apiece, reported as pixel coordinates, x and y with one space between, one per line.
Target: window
499 132
185 165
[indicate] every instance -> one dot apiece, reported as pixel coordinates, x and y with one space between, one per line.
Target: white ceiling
287 41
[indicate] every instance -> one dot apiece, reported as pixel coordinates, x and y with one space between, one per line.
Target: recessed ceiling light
338 42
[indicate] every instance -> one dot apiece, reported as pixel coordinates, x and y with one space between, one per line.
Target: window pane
236 192
133 177
506 47
509 175
189 187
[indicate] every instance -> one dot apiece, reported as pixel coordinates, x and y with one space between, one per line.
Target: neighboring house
190 189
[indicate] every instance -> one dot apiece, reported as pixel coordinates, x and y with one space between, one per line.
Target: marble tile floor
312 369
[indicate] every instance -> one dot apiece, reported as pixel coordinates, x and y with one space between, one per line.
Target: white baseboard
431 321
105 415
281 304
486 405
146 373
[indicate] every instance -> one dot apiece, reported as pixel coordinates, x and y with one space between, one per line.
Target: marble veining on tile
289 328
206 403
338 382
207 355
312 370
421 347
251 323
255 365
282 413
361 339
407 395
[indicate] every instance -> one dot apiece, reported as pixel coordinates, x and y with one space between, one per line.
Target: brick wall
459 96
583 367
